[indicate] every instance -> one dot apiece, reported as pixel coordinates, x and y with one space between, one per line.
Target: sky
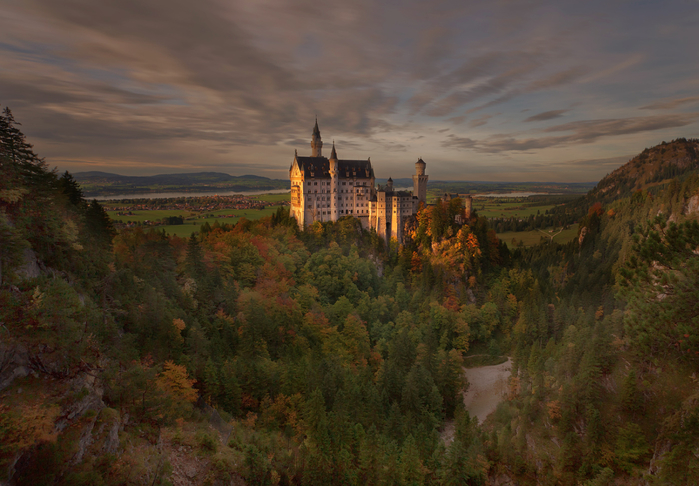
493 90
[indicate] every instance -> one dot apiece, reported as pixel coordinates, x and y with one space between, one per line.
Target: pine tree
71 188
412 471
20 153
99 223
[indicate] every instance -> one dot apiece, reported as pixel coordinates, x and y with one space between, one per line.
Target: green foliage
661 283
336 359
631 447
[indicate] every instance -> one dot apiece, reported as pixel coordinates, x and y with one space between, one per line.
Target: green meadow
487 207
193 220
507 208
531 238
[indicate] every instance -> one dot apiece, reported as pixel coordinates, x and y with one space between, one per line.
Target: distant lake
167 195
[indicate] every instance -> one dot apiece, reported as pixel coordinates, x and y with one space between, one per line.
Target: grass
195 220
501 209
154 215
273 197
531 238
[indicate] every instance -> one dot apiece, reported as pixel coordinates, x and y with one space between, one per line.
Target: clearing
488 386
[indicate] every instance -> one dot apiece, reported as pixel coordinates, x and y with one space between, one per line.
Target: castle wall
342 191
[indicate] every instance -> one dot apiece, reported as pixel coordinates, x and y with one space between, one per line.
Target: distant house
466 201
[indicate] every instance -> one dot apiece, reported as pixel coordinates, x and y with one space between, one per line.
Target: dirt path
488 385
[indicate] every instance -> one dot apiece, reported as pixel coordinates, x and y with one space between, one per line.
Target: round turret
420 167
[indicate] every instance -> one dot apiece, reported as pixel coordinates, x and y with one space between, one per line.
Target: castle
327 189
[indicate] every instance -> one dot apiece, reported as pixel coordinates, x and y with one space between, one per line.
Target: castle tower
334 171
420 181
389 185
316 142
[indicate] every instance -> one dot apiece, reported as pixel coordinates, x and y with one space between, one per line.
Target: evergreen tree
70 187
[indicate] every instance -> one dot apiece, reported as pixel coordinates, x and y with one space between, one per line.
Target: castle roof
319 167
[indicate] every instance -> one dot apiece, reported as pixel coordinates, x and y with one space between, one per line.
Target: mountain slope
652 167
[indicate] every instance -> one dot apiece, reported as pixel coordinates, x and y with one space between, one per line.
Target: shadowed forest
256 353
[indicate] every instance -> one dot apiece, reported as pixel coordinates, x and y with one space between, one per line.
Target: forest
257 353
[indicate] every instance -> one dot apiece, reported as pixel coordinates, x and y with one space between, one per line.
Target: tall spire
316 142
333 154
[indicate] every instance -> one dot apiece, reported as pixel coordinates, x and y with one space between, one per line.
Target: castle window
315 183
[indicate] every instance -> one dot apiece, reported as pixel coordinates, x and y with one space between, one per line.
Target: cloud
481 120
546 115
157 83
583 132
671 103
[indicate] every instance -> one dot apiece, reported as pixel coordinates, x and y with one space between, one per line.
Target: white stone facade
327 189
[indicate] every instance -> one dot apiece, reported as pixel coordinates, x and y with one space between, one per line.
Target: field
530 238
193 220
273 197
487 207
507 208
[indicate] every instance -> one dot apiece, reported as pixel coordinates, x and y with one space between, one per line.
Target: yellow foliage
175 382
179 326
514 388
26 425
12 195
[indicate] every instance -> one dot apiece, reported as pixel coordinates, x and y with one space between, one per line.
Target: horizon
495 91
378 178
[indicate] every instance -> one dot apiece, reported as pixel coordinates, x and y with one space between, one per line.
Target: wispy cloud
145 85
671 104
546 115
582 132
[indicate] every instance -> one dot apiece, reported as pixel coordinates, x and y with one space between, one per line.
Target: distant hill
437 187
653 167
95 183
192 177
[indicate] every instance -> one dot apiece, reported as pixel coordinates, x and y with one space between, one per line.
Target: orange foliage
26 425
554 410
179 326
282 412
415 263
596 208
175 382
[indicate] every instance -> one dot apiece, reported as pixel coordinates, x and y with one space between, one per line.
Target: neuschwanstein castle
326 189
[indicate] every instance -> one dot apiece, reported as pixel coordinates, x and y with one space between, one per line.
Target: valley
250 351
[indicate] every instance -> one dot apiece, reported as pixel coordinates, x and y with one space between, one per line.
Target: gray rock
30 267
18 372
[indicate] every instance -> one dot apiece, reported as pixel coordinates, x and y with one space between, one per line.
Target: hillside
257 353
653 167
